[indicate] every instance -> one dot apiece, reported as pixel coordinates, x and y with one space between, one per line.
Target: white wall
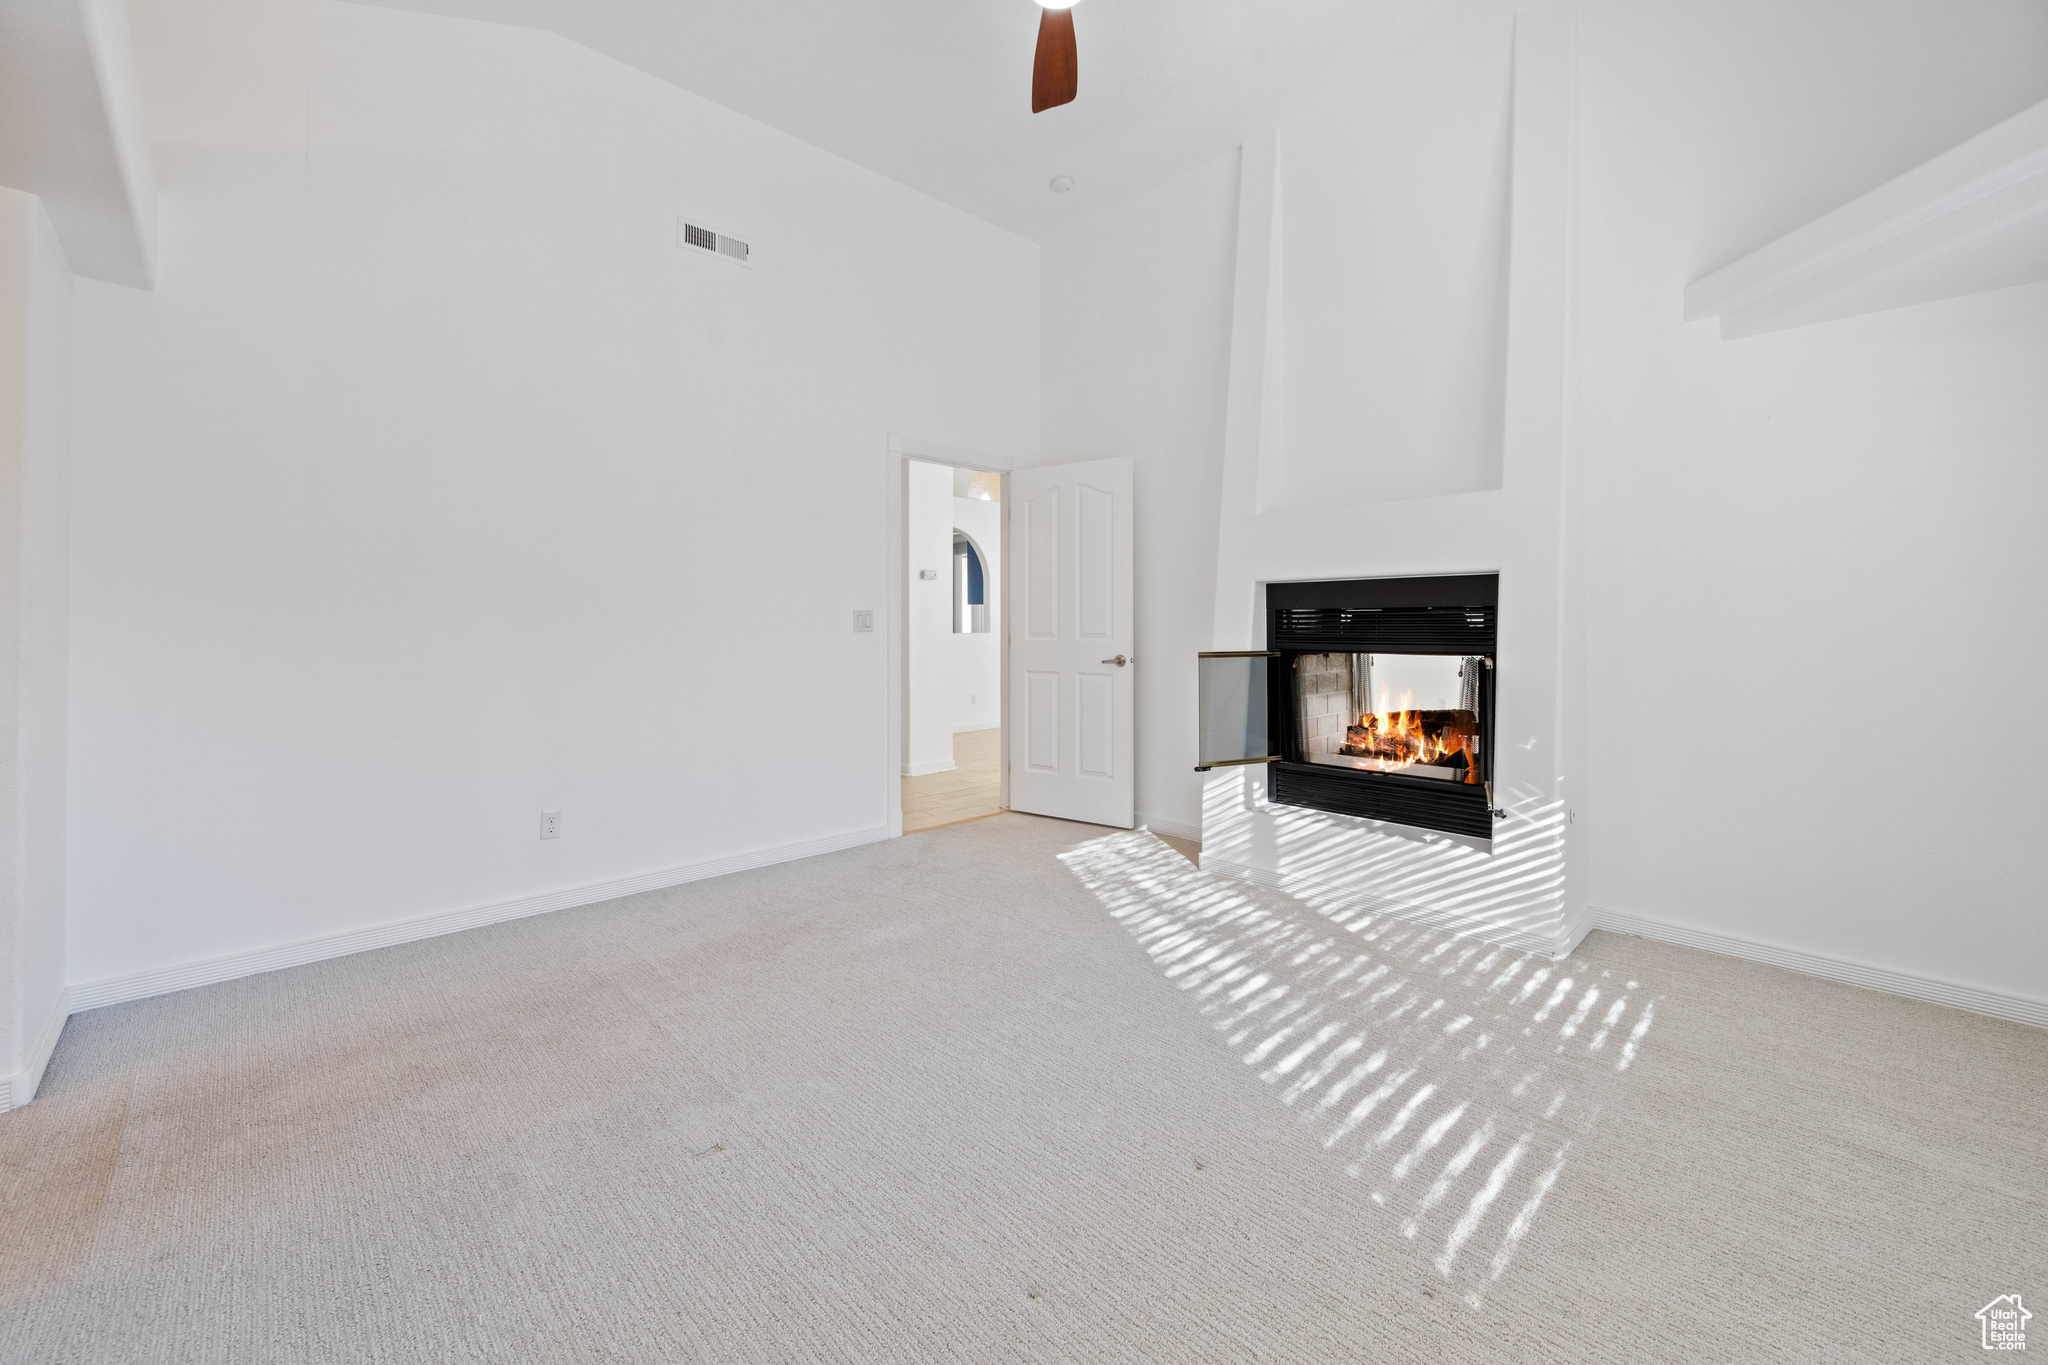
978 656
72 132
35 523
404 509
1137 356
432 487
1393 285
928 619
1843 503
1785 532
1515 887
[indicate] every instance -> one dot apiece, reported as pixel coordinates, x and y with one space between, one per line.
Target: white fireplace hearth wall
1515 883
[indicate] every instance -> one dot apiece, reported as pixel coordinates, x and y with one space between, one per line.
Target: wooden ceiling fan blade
1055 73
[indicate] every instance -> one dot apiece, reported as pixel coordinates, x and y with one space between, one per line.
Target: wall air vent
717 243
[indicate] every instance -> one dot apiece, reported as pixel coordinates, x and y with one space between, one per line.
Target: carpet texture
1019 1090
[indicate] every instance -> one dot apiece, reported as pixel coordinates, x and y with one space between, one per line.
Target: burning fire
1403 737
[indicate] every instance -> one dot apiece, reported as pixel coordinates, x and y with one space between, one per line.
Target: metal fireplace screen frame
1454 615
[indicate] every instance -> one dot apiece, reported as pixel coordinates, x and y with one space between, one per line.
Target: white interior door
1072 701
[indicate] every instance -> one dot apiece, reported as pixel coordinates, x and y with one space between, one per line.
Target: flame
1402 736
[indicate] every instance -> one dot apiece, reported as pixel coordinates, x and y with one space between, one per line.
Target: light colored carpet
971 789
1007 1091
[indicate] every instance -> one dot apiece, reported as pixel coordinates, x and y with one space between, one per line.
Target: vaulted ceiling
936 94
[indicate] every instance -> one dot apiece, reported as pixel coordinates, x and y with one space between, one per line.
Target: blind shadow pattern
1451 1075
1516 888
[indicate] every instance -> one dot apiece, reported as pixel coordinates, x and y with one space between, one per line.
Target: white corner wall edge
1575 931
82 144
117 990
129 255
2019 1009
1192 833
19 1088
1973 218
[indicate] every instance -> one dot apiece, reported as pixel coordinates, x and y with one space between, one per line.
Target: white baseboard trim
1192 833
970 729
1451 921
920 769
117 990
1576 930
19 1088
2019 1009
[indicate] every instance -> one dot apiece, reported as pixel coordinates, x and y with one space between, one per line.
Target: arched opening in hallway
953 738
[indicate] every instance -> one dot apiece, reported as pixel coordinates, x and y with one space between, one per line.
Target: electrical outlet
863 622
551 824
972 699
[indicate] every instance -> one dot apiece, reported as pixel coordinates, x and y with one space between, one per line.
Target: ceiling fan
1054 72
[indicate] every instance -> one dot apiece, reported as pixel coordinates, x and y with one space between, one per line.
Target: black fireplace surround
1356 629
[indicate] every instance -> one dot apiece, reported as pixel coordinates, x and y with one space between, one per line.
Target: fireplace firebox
1379 696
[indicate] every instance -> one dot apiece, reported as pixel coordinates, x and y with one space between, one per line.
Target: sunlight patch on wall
1451 1075
1514 891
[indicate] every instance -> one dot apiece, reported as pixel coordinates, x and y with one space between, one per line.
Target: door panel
1098 724
1042 722
1095 582
1074 723
1041 543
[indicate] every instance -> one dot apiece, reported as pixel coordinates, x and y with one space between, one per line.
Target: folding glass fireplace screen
1375 698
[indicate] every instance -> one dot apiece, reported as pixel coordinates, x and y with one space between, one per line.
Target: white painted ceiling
936 94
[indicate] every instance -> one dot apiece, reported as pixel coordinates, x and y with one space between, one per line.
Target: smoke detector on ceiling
698 237
1060 184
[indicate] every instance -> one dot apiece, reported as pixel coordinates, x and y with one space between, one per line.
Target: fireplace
1379 699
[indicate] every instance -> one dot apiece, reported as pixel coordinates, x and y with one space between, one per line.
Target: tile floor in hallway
971 790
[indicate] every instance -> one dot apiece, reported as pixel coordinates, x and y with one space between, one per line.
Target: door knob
1119 661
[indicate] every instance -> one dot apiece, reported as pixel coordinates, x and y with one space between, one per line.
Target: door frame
896 480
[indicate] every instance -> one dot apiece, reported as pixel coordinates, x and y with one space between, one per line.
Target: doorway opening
953 663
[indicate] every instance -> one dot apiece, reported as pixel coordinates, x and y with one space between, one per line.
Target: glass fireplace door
1235 709
1419 715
